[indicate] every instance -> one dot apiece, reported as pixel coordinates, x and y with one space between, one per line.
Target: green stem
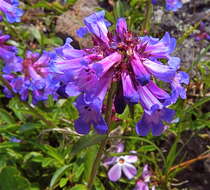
147 21
100 152
38 115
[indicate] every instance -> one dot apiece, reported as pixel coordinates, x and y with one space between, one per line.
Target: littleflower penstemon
121 164
143 182
132 62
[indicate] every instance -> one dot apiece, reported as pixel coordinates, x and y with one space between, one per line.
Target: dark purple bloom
132 61
154 122
13 63
143 183
202 33
121 164
11 10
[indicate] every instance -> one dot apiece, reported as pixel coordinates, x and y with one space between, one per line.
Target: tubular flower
132 62
13 63
36 77
170 5
121 164
143 183
11 10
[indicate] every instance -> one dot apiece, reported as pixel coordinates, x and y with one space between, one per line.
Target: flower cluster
35 76
171 5
132 62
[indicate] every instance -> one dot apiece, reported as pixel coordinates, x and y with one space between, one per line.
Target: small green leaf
87 141
6 117
63 182
79 187
57 175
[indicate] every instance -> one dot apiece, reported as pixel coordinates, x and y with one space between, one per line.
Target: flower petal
81 126
129 170
115 172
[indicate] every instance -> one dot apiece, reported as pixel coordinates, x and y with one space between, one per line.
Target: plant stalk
100 152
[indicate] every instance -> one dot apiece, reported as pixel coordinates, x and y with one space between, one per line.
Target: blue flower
11 10
89 115
154 122
173 5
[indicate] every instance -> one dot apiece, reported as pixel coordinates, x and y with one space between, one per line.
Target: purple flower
97 25
13 63
131 61
177 88
154 122
202 34
143 183
173 5
15 140
11 10
121 164
89 114
36 77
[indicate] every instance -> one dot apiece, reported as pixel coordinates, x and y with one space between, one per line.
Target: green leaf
28 127
89 160
6 117
8 128
58 174
87 141
63 182
79 187
36 34
11 180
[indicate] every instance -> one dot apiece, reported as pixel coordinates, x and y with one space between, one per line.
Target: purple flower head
202 33
36 77
154 122
173 5
11 10
121 164
97 25
131 61
143 183
177 88
13 63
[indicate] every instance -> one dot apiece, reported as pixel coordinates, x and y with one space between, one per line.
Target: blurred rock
70 21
